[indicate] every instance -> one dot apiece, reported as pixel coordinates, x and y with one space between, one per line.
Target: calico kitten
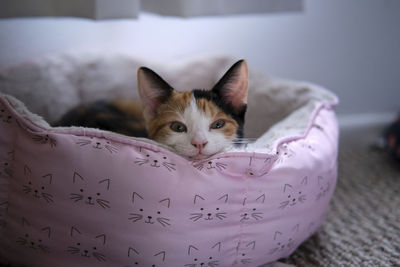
196 123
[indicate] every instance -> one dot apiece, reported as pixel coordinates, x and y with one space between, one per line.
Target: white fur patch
198 131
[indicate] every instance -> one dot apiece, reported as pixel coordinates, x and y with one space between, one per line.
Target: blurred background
349 47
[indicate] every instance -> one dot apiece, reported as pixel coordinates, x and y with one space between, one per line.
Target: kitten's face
197 123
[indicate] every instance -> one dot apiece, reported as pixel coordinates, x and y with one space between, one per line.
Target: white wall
350 46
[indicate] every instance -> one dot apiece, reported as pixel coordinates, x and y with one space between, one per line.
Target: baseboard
365 120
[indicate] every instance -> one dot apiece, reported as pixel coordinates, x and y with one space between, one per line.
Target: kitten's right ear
153 91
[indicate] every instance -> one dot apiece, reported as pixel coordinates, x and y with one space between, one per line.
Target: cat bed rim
30 120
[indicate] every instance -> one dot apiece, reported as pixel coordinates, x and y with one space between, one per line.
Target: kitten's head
196 123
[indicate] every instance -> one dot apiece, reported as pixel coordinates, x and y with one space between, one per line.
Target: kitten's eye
217 124
178 127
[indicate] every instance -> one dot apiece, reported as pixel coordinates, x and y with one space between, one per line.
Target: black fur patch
105 116
237 115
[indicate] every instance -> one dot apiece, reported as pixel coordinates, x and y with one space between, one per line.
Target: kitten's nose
199 144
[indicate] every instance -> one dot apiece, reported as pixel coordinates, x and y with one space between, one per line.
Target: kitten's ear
153 91
232 87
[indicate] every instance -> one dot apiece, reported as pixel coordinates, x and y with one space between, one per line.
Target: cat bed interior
85 197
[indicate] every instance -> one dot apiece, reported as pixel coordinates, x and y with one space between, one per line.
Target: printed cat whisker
99 256
257 215
196 216
221 166
47 197
103 203
200 167
83 142
284 204
213 263
135 217
76 197
73 250
26 189
140 161
22 241
9 173
169 166
163 221
111 149
221 215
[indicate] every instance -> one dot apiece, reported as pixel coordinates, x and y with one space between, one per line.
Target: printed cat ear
153 91
74 230
130 250
48 230
232 87
102 237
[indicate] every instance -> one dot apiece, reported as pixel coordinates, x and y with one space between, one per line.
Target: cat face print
284 242
212 259
212 164
324 188
143 258
244 251
94 194
34 238
5 167
86 246
154 160
97 144
197 123
252 209
151 213
284 153
38 187
5 116
211 210
294 196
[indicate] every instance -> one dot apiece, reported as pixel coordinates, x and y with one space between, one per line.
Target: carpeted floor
362 227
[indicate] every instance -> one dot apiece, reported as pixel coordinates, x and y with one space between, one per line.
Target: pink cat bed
84 197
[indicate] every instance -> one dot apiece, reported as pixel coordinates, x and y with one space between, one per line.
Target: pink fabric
93 198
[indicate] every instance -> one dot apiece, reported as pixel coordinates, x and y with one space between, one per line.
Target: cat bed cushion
85 197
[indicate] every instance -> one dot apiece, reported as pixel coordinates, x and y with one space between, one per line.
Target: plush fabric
85 197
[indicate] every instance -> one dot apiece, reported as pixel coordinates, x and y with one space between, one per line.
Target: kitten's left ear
232 87
153 91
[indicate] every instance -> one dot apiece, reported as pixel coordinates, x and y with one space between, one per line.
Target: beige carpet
362 227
